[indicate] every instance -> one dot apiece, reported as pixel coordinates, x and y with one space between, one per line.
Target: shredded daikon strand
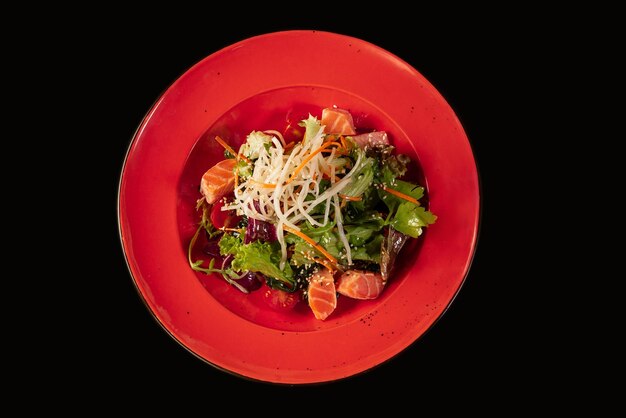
332 166
270 193
280 237
327 211
333 190
342 234
276 134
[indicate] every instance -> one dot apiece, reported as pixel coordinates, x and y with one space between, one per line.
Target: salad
309 219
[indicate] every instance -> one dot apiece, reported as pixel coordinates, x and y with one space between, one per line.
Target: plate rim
135 136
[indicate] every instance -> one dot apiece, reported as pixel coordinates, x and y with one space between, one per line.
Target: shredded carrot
351 198
290 145
231 150
340 150
306 160
225 145
344 144
277 135
401 195
332 143
240 156
240 230
310 241
264 185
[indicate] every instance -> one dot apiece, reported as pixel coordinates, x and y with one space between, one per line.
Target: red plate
267 82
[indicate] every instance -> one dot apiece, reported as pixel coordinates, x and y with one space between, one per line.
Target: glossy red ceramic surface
270 82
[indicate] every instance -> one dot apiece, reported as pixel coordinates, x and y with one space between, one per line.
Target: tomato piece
223 218
280 300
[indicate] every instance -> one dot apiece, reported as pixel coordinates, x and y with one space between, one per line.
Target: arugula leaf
362 178
364 238
197 265
369 217
370 251
359 234
205 220
309 230
369 200
320 208
304 253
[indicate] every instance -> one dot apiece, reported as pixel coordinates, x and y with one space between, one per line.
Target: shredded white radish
342 234
281 180
276 134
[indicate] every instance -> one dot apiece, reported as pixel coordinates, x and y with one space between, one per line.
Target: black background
481 341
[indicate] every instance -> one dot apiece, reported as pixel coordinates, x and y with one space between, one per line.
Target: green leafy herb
311 126
361 179
406 217
370 251
410 218
206 225
257 256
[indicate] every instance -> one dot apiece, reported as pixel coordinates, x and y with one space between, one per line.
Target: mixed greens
333 201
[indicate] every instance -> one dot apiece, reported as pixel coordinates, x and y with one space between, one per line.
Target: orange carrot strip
240 230
277 135
344 144
264 185
306 160
351 198
232 151
310 241
401 195
333 143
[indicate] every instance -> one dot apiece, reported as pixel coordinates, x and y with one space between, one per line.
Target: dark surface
478 339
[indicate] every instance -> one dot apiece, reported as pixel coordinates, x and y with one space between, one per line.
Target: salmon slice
218 181
371 139
359 284
337 121
322 294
